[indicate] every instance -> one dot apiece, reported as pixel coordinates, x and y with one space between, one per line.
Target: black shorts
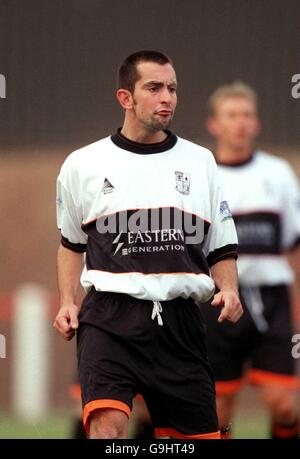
122 352
262 338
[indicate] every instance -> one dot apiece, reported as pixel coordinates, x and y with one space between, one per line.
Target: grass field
245 426
59 427
251 421
55 426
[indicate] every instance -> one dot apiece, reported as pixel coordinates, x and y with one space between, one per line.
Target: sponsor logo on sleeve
225 210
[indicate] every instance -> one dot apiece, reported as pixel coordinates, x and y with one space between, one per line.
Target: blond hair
235 89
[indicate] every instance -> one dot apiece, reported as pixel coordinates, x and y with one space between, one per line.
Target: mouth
164 113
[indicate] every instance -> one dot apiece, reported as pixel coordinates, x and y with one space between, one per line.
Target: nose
166 96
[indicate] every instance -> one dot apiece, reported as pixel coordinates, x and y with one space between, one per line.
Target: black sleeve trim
228 251
80 248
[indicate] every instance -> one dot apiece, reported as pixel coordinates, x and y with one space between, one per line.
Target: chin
159 126
167 124
241 145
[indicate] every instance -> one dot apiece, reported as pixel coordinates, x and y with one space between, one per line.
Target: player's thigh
106 377
280 400
226 347
179 414
272 360
182 400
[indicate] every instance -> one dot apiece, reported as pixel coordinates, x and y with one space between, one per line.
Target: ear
211 126
125 98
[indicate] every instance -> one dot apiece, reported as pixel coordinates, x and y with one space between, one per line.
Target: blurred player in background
123 200
264 198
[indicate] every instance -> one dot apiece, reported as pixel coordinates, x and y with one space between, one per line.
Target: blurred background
59 60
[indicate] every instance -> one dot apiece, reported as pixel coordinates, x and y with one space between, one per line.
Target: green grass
250 427
250 422
59 426
54 426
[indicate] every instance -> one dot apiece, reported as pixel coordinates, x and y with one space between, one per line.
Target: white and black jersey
264 198
151 218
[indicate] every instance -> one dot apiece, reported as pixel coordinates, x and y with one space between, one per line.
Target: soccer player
264 198
147 208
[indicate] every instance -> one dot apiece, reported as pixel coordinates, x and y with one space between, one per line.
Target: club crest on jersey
107 186
225 210
183 182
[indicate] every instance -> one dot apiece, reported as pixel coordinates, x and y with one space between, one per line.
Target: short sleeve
290 209
68 214
221 240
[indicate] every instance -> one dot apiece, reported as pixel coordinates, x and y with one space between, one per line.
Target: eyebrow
158 83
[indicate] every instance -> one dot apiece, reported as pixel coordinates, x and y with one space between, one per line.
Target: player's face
235 122
154 96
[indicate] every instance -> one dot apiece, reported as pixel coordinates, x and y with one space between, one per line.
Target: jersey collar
144 148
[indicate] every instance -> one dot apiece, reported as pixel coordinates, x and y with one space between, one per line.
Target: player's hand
232 309
66 321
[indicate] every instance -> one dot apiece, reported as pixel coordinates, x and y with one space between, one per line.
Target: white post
2 347
30 351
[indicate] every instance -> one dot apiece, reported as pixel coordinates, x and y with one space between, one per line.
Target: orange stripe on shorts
265 378
168 432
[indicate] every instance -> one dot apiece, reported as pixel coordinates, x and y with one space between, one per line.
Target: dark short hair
128 74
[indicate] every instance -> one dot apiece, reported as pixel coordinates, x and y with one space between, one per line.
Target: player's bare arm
225 276
69 268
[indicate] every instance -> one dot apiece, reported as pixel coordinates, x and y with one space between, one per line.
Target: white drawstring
157 309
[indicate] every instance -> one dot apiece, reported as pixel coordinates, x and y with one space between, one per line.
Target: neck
139 134
228 154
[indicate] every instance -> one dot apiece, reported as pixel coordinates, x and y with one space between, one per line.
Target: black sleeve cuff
80 248
222 253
